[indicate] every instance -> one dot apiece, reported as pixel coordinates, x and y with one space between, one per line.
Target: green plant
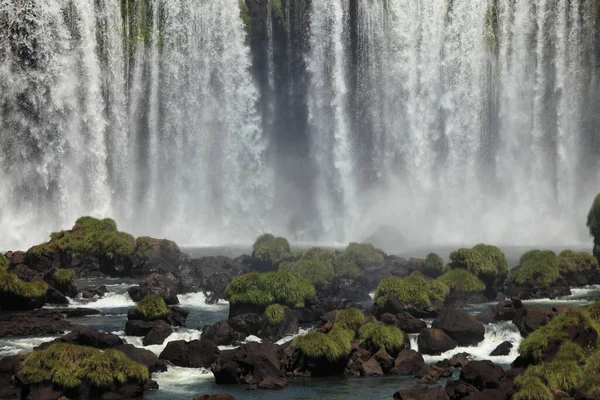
495 256
350 319
570 261
345 268
473 261
269 248
64 275
312 270
315 253
11 284
536 264
3 263
364 254
281 287
275 313
389 337
244 13
593 219
152 306
462 281
320 345
414 289
531 388
69 365
434 262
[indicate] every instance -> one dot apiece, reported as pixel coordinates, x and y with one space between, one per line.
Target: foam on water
110 300
180 334
198 300
181 380
13 346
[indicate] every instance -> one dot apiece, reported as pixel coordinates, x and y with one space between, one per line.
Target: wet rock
457 390
217 396
435 341
482 374
192 354
157 335
138 328
503 349
222 334
532 289
394 306
422 392
248 324
53 296
404 321
459 360
91 292
66 288
143 356
156 284
528 318
289 326
371 368
503 311
43 393
384 359
86 337
33 324
462 327
408 362
273 383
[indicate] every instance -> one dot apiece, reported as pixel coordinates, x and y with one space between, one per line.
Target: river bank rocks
40 322
154 320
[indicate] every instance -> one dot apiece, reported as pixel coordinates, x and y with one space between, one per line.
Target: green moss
11 284
275 313
531 388
3 263
320 345
312 270
495 256
389 337
414 289
593 310
536 264
281 287
152 306
570 261
434 262
473 261
570 351
462 281
269 248
92 236
68 366
593 219
245 14
350 319
343 336
591 375
364 254
345 268
315 253
144 244
64 275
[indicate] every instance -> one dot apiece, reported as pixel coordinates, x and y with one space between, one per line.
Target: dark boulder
459 389
464 299
435 341
371 368
236 309
432 373
177 316
53 296
482 374
532 289
91 292
272 383
86 337
222 334
33 324
344 288
8 367
192 354
210 275
158 334
289 326
408 362
503 311
384 360
404 321
143 356
528 318
217 396
42 392
503 349
394 306
459 360
138 328
248 324
422 392
156 284
462 327
67 288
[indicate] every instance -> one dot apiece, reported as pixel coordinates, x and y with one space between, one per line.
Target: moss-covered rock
414 289
314 271
315 253
593 219
152 306
269 251
462 281
495 256
147 247
570 262
350 319
3 263
382 336
319 345
484 261
64 275
540 265
433 265
275 313
67 366
281 287
16 294
531 388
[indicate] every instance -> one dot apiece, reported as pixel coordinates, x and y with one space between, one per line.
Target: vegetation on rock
462 281
350 319
3 263
68 366
414 289
244 13
570 261
313 271
269 248
152 306
143 246
540 265
63 275
357 256
275 313
281 287
315 253
321 345
389 337
434 262
11 284
482 260
593 219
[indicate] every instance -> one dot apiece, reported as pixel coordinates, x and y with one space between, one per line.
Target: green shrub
312 270
593 310
536 264
389 337
281 287
345 268
91 236
593 219
591 375
315 253
342 335
68 366
350 318
434 262
462 281
320 345
64 275
473 261
414 289
570 261
12 284
152 306
269 248
531 388
494 255
356 256
275 313
3 263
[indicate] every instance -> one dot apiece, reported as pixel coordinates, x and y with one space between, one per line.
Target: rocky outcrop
143 356
156 284
408 362
290 325
33 324
532 289
193 354
344 288
482 374
422 392
86 337
394 306
435 341
404 321
91 292
8 367
503 349
222 334
177 316
462 327
528 318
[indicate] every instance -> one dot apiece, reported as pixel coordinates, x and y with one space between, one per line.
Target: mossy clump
90 236
11 284
275 313
152 306
414 289
244 13
320 345
282 287
364 254
3 263
434 262
350 319
570 261
593 219
68 366
144 246
484 261
64 275
388 337
315 253
540 265
312 270
462 281
271 249
494 255
531 388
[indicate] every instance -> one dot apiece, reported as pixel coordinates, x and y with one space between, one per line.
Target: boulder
344 288
404 321
394 306
91 292
435 341
217 396
457 390
42 393
211 275
272 383
156 284
8 367
177 316
503 349
138 328
86 337
222 334
192 354
384 359
67 288
33 324
459 360
532 289
462 327
432 373
157 335
143 356
482 374
408 362
422 392
528 318
53 296
248 324
289 326
503 311
371 368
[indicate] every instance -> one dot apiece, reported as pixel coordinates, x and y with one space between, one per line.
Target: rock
155 284
491 394
529 318
8 367
384 359
211 275
503 311
435 341
482 374
371 368
462 327
393 306
532 289
421 392
138 328
192 354
157 335
408 362
86 337
67 288
177 316
457 390
217 396
432 373
98 291
248 324
459 360
222 334
404 321
245 308
143 356
289 326
344 288
503 349
43 393
460 300
33 324
273 383
53 296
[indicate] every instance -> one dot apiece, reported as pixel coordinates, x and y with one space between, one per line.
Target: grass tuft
570 261
414 289
462 281
152 306
389 337
275 313
320 345
313 271
13 285
434 262
269 248
541 265
64 275
531 388
350 319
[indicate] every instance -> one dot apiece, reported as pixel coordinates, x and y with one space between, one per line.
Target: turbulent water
454 121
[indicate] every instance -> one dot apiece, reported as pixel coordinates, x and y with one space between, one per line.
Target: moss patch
312 270
531 388
68 366
64 275
152 306
244 14
570 262
482 260
414 289
462 281
275 313
269 248
389 337
315 253
350 319
281 287
320 345
495 256
3 263
536 264
434 262
11 284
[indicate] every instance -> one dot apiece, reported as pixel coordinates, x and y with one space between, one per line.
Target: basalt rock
344 288
158 334
482 374
435 341
503 349
462 327
67 288
532 289
422 392
155 284
394 306
86 337
248 324
33 323
289 326
91 292
177 316
404 321
193 354
408 362
222 334
528 318
503 311
143 356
